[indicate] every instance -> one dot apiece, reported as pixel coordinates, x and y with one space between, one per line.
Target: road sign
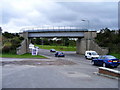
34 51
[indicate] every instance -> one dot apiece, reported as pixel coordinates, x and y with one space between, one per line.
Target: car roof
52 49
106 55
59 52
90 51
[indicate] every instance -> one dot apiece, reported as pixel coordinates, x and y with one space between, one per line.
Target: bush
6 49
10 42
108 38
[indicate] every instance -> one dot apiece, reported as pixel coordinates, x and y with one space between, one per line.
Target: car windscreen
111 57
60 53
94 53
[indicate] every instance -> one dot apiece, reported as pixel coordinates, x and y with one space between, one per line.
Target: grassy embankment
58 48
8 55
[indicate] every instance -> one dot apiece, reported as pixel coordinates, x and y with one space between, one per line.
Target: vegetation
109 38
9 55
58 48
50 42
10 42
62 44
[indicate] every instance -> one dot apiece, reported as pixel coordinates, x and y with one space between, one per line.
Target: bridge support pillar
25 35
81 46
84 44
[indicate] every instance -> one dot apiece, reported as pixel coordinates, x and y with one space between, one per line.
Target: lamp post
87 22
87 40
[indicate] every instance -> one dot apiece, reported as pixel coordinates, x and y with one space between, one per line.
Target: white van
31 46
91 54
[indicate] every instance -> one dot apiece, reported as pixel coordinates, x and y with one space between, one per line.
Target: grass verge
58 48
116 55
28 55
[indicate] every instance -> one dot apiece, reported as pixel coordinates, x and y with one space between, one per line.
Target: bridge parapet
55 30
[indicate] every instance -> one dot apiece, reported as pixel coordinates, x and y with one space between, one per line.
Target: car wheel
104 65
86 57
115 66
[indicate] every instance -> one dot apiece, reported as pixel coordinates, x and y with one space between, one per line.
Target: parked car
52 50
106 61
91 55
59 54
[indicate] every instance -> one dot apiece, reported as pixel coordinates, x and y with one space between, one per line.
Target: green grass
28 55
58 48
116 55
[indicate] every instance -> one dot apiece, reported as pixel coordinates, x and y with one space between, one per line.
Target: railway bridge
85 38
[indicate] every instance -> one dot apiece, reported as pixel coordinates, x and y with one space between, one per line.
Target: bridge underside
57 34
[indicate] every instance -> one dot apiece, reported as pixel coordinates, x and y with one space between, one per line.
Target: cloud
17 14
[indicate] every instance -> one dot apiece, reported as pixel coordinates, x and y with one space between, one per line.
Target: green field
58 48
116 55
28 55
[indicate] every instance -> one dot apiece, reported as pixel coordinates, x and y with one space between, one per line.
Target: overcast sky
18 14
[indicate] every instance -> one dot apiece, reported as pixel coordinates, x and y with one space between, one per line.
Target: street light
87 42
87 22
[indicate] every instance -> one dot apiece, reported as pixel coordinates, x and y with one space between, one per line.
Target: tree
8 35
10 42
108 38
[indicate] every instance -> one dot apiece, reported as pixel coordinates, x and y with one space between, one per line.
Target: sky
18 14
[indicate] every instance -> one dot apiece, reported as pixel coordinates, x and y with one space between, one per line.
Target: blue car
52 50
106 61
59 54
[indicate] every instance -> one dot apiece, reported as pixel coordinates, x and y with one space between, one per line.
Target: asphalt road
80 75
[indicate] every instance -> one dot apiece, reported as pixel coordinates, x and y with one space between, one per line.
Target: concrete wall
90 35
25 35
81 46
87 43
22 49
95 47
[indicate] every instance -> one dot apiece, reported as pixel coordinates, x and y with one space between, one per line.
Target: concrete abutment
24 48
87 43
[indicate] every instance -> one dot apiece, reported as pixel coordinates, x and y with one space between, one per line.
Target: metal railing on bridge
54 29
